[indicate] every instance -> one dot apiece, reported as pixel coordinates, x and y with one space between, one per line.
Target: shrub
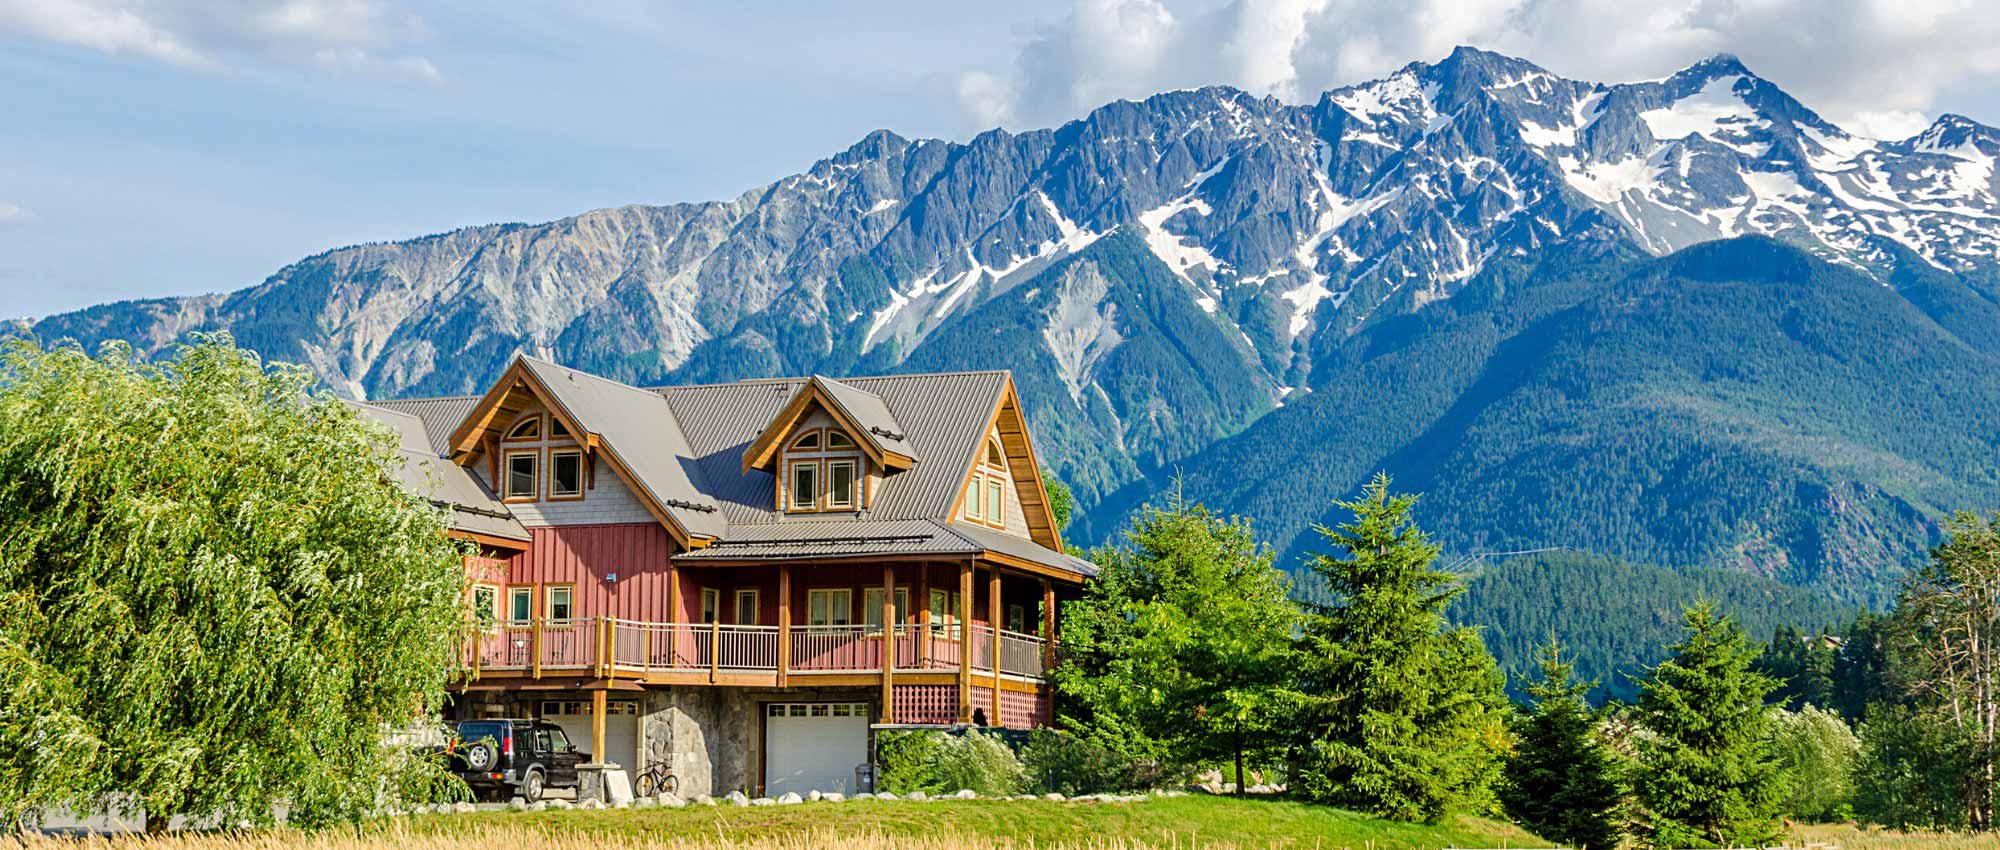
1818 753
1065 764
937 762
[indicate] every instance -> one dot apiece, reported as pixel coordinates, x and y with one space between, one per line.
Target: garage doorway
814 746
621 727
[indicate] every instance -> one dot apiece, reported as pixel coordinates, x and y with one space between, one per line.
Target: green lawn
1188 821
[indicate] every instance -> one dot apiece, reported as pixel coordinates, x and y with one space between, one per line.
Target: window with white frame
711 604
840 480
829 607
520 604
986 491
871 607
562 602
746 608
805 485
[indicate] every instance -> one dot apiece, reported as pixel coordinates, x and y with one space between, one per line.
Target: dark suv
524 756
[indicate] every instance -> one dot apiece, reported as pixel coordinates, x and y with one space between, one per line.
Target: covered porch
964 642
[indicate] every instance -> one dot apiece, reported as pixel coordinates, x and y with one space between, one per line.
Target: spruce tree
1562 782
1179 649
1707 774
1397 712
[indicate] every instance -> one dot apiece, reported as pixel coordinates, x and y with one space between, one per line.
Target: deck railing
610 645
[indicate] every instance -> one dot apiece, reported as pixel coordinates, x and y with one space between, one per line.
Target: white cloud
367 37
14 214
1874 66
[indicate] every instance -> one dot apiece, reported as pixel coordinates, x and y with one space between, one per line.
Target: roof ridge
662 388
413 400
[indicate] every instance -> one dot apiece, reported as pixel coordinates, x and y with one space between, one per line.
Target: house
746 580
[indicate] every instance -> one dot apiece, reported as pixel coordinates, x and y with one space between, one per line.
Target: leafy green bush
941 763
1817 753
1069 765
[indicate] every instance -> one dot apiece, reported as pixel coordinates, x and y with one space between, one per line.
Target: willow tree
214 597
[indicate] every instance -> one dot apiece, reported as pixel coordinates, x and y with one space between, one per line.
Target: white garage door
621 727
813 746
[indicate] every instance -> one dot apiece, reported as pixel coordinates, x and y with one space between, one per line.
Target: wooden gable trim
775 435
489 540
1020 461
518 378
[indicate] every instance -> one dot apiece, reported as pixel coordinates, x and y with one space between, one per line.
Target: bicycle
658 776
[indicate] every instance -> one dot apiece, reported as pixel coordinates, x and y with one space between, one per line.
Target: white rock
517 804
560 805
865 795
791 799
966 794
1053 797
885 796
671 801
736 798
703 800
832 796
538 806
814 796
763 801
646 803
918 796
591 804
463 808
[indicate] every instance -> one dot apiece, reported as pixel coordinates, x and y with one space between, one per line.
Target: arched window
994 457
529 428
807 441
839 440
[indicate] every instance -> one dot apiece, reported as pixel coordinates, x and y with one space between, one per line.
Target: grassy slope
1178 821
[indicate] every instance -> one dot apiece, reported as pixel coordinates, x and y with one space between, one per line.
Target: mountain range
1684 321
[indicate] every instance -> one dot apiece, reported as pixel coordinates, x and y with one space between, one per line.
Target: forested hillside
1615 618
1739 404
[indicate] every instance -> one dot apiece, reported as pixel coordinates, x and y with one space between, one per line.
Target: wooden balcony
696 653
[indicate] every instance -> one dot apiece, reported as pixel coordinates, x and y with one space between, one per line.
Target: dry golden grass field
1157 824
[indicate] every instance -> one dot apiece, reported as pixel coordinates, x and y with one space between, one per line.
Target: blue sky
157 147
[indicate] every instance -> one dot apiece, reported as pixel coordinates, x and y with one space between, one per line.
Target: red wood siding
583 555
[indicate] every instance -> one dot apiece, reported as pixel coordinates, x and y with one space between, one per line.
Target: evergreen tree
1178 649
1397 712
1865 666
1707 773
1562 781
1802 665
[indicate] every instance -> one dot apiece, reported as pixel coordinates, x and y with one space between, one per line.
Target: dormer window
840 480
557 430
527 429
809 441
839 440
522 480
566 474
805 486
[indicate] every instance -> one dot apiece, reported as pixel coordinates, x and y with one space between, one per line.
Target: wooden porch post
673 615
1048 627
965 642
597 707
784 623
889 643
993 625
535 645
922 604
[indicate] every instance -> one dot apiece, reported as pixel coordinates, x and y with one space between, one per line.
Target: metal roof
868 538
685 446
945 416
439 415
474 508
640 430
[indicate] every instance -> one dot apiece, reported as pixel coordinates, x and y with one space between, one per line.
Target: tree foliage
1178 648
214 596
1950 613
1816 754
1707 775
1561 781
1398 712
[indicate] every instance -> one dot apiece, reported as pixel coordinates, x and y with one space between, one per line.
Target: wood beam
888 643
965 642
1048 627
784 623
993 626
597 708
